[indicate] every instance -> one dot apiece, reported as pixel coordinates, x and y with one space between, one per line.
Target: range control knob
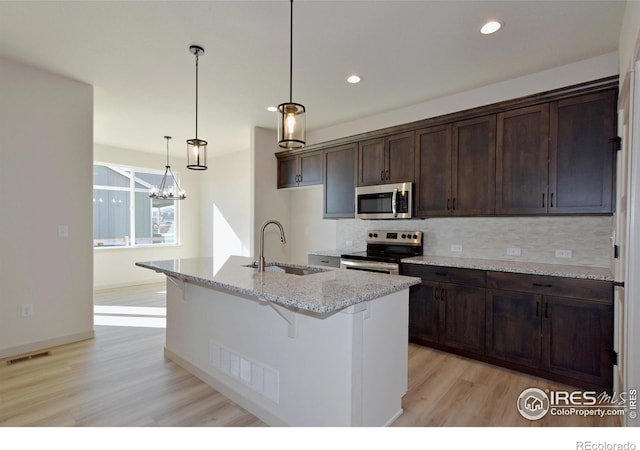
404 236
370 234
375 235
415 236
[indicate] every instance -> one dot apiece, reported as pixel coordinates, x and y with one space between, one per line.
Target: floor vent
23 358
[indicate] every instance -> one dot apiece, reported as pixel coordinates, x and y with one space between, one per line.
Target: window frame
132 190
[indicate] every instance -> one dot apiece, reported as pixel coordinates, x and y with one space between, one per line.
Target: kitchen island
294 345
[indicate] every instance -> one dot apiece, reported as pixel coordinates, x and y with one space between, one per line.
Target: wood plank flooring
121 378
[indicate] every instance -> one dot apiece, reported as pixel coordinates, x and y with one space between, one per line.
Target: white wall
116 266
269 203
308 230
46 141
629 49
582 71
225 207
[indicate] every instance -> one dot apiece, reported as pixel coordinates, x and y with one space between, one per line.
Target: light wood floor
121 378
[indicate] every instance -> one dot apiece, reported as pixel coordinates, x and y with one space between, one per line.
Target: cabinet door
339 181
513 326
462 316
433 171
578 339
287 171
474 166
310 169
582 154
423 312
371 162
522 161
400 158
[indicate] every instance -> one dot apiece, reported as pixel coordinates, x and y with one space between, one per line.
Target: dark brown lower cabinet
447 314
554 327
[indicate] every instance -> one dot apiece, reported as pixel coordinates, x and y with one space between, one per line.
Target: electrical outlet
564 254
27 310
514 251
456 248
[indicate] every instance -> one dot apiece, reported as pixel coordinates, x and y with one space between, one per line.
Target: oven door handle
394 200
373 266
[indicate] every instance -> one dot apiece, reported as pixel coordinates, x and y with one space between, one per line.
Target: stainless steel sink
285 268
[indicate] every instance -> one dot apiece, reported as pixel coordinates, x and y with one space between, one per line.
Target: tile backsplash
587 237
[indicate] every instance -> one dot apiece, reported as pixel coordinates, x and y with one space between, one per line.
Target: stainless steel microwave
385 201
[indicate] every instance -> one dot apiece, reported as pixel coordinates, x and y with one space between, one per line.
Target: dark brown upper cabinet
299 170
522 162
340 171
557 157
386 160
433 171
474 167
582 154
455 168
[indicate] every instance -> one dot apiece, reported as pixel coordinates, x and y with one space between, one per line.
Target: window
123 213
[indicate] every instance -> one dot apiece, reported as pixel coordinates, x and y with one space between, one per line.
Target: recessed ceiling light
490 27
353 79
272 108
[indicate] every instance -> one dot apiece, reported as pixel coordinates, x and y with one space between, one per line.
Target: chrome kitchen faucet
261 262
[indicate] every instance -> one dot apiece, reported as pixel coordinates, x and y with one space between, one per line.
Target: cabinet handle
551 205
543 199
387 175
546 310
454 203
382 175
441 274
543 285
326 261
448 204
435 295
537 308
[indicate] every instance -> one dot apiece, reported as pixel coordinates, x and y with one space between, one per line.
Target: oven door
370 266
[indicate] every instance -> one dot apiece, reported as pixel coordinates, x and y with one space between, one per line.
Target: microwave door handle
394 198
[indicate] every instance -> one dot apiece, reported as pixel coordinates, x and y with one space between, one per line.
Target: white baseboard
47 344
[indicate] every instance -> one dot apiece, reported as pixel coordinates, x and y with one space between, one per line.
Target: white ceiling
136 55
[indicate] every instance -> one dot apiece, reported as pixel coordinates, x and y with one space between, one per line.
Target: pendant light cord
291 55
167 138
197 54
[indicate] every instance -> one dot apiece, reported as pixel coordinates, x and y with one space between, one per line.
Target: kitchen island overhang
328 348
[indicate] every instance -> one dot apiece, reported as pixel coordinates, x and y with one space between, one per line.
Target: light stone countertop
326 291
558 270
334 252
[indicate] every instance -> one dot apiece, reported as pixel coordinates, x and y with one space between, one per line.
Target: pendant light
196 148
169 188
291 116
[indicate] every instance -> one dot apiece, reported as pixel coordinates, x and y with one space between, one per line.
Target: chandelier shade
169 188
291 116
196 148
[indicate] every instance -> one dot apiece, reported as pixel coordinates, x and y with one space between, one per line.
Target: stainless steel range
385 250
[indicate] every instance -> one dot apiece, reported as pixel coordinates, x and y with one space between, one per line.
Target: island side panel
386 356
244 348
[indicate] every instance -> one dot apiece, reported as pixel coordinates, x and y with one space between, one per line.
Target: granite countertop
558 270
334 252
326 291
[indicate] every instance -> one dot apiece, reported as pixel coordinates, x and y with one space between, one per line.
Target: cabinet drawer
596 290
444 274
321 260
